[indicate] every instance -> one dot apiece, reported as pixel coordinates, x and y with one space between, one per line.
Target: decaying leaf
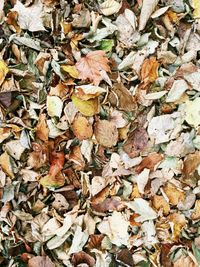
160 203
91 65
148 7
106 133
149 71
196 213
5 163
54 106
192 110
40 261
42 130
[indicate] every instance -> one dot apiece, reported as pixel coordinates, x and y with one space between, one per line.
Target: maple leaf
91 65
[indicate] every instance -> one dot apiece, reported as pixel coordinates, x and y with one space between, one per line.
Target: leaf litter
99 133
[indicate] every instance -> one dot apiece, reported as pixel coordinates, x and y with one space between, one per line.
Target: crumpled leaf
86 92
40 261
82 128
149 71
30 18
83 258
185 261
196 212
86 107
110 7
91 65
106 133
148 7
159 202
141 207
3 71
79 240
177 90
112 227
149 162
136 142
174 194
54 106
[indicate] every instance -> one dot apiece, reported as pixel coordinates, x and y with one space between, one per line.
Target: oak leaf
91 65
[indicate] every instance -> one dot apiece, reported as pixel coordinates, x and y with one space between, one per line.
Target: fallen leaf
196 212
110 7
177 90
148 6
106 133
174 194
196 6
160 203
142 180
71 70
184 261
149 162
86 107
81 258
15 149
30 18
82 128
40 261
192 111
42 130
190 164
54 106
86 92
5 163
89 67
136 142
3 71
149 71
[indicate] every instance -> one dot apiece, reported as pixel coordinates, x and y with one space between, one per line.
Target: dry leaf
40 261
86 92
82 128
30 18
42 130
149 71
91 65
3 71
81 258
149 162
196 6
148 6
136 142
174 194
106 133
196 212
86 107
159 202
73 72
5 164
185 261
110 7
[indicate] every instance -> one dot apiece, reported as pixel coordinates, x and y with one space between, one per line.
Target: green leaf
196 252
106 45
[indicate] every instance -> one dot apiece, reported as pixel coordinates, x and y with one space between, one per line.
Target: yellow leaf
72 70
82 128
86 107
196 6
6 164
53 181
3 71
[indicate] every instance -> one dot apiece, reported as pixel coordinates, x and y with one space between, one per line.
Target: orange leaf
149 162
149 71
82 128
90 66
42 130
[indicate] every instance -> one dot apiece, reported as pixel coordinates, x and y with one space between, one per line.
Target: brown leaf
108 204
159 202
185 261
90 66
40 261
106 133
122 98
174 194
149 71
82 257
149 162
125 256
196 212
82 128
77 157
136 142
42 130
95 241
190 164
